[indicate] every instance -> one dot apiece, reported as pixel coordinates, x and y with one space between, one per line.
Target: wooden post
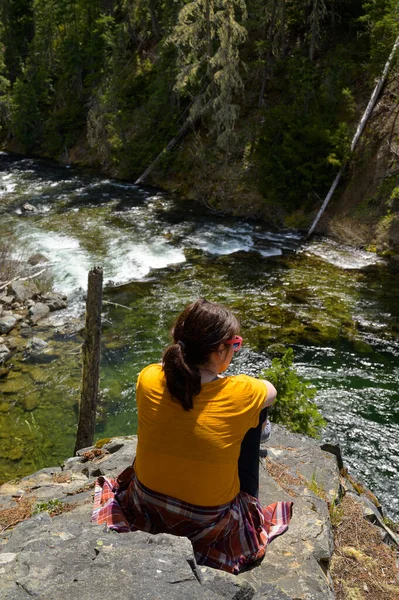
91 360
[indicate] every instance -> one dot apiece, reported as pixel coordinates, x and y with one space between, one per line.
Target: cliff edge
64 556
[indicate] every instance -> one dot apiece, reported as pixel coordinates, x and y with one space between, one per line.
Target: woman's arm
271 393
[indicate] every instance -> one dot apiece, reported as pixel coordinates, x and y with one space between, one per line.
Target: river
336 306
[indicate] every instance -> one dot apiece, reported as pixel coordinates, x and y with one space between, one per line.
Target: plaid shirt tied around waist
228 537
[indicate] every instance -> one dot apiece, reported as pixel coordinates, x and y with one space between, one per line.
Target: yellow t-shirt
193 455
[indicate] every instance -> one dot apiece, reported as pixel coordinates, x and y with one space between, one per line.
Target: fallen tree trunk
359 131
7 283
167 148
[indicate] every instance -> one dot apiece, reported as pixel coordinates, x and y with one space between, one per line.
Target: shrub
294 407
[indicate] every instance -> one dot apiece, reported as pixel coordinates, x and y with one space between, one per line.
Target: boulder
7 323
75 560
37 259
35 345
38 312
78 555
23 290
4 353
31 401
54 300
13 342
7 301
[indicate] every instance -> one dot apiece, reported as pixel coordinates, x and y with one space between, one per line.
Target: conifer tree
318 13
207 36
4 85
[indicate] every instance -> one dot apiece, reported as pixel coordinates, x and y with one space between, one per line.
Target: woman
196 467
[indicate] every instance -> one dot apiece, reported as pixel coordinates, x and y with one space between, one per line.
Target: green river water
336 306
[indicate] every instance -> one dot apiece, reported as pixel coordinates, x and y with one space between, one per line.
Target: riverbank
22 305
364 210
331 549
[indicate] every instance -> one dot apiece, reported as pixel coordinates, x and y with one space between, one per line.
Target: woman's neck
208 375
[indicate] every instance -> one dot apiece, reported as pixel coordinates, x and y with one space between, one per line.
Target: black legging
248 462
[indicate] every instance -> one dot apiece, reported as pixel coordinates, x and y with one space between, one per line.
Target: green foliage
302 144
4 87
394 525
294 407
336 512
4 82
381 17
26 116
49 506
316 487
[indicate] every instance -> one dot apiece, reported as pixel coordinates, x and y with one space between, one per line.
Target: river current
336 306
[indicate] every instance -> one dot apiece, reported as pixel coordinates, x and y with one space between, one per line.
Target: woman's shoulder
242 379
247 383
150 373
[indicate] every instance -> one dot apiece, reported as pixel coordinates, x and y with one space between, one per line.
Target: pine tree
317 15
4 86
207 36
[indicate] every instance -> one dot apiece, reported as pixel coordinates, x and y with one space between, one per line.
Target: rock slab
44 555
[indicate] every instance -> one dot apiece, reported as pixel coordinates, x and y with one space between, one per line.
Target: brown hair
198 331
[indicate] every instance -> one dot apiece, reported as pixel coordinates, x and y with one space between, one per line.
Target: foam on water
341 256
69 263
127 259
221 240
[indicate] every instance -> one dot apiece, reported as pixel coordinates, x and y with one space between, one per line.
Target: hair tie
182 345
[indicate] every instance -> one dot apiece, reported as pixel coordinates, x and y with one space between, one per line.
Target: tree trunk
156 30
91 361
170 145
268 60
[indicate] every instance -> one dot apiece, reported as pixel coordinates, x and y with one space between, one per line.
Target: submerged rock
38 312
35 346
31 401
7 323
37 259
4 353
12 385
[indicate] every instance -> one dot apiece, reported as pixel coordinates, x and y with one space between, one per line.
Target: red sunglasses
236 341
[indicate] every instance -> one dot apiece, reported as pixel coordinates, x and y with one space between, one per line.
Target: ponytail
183 381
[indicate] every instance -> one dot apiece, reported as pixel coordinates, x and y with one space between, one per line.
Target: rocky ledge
64 556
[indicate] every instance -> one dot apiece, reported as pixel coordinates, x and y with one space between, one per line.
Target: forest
262 97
